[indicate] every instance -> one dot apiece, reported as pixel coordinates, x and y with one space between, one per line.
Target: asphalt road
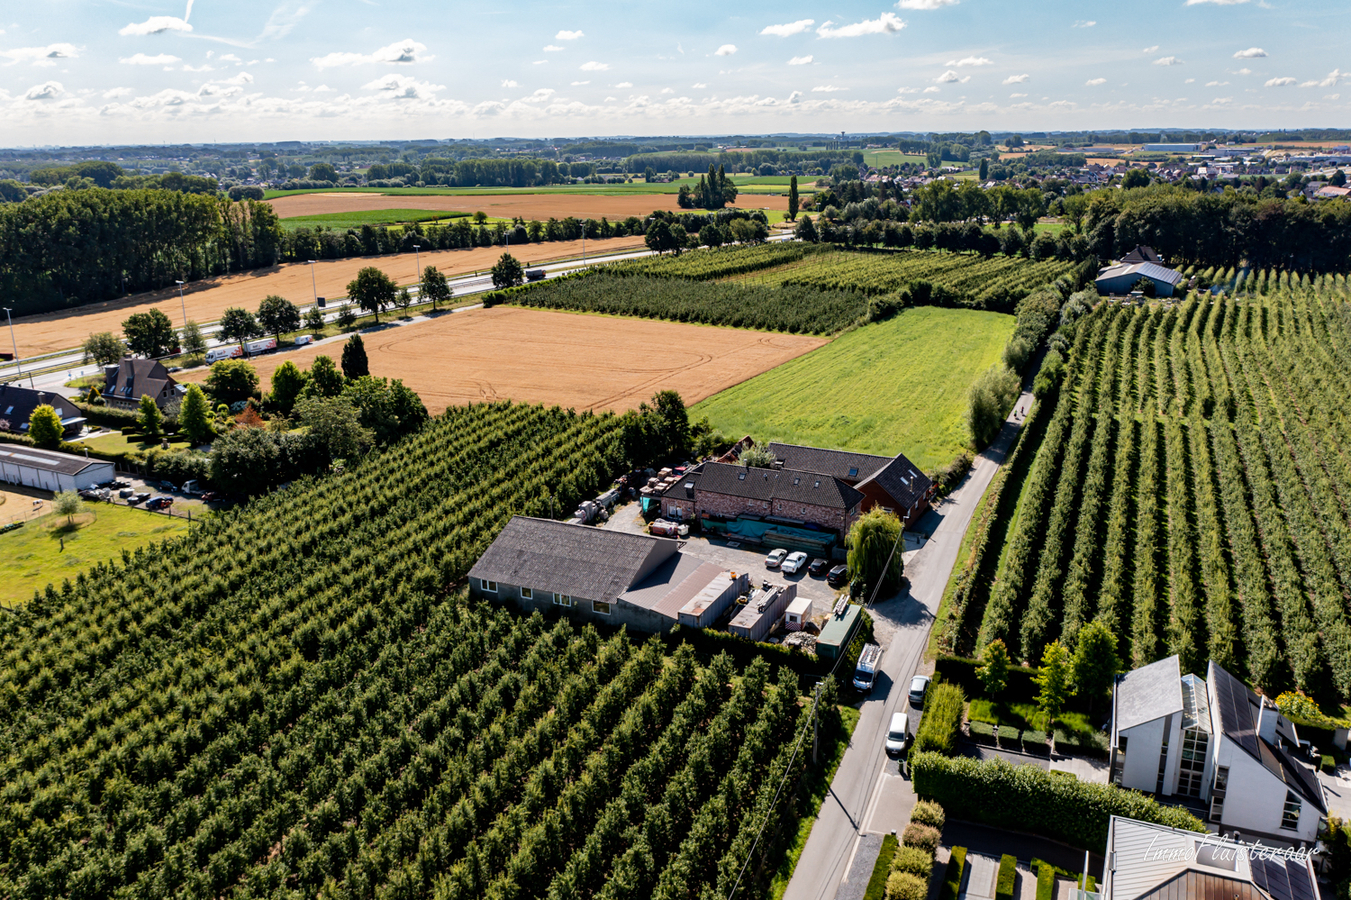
868 794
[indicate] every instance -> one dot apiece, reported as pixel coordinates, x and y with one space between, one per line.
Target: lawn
31 557
346 220
121 443
878 158
896 387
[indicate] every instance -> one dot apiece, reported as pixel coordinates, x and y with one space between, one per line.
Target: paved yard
1337 789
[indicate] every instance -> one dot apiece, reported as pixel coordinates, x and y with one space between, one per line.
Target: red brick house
893 483
787 495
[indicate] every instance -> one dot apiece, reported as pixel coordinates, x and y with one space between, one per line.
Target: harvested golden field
527 206
569 359
207 299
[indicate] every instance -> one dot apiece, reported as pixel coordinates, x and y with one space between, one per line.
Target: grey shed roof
770 484
903 482
842 464
1141 270
577 560
1148 693
47 460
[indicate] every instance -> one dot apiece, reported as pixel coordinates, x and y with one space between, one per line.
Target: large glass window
1222 779
1290 812
1192 766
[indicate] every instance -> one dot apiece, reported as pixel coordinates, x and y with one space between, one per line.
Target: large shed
838 631
1120 279
51 471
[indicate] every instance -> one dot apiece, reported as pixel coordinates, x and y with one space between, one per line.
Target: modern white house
1181 736
1145 861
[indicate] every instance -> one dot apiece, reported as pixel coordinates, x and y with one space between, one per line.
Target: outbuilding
49 470
1120 279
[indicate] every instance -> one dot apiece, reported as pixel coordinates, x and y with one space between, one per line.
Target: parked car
775 558
138 498
95 495
919 686
114 484
159 502
838 576
898 734
209 496
191 488
817 567
793 562
126 492
167 486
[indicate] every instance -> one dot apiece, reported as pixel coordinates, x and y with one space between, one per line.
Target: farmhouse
51 471
893 483
1120 278
642 582
17 405
131 379
795 499
1179 735
1155 862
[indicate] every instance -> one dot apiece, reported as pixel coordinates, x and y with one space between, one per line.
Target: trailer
534 274
216 354
256 347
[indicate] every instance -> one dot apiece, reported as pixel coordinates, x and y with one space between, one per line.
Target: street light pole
182 305
417 254
313 284
583 243
15 343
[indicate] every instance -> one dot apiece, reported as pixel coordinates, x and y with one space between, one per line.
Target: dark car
817 567
159 503
167 486
838 576
138 498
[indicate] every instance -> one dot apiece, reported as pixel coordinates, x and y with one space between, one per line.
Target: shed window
527 594
489 586
562 599
599 607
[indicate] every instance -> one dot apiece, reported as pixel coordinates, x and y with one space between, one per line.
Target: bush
1008 874
999 794
1045 882
877 884
926 812
950 475
925 837
941 722
990 399
981 730
952 879
1007 733
915 860
904 886
1036 738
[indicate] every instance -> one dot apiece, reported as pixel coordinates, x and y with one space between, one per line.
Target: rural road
868 794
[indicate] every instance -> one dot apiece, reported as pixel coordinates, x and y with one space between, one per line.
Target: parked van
869 661
898 735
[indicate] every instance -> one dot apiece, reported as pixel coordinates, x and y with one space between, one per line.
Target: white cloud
931 90
1281 82
579 83
510 84
48 90
41 56
1244 71
924 4
800 60
1168 61
795 97
624 84
1150 49
202 68
1216 2
568 35
552 48
887 23
1015 96
1084 23
1216 83
1094 82
156 25
241 78
1221 101
230 57
1193 81
594 66
970 61
951 76
1330 81
827 89
1016 79
788 28
402 52
114 93
403 87
540 62
698 87
140 59
1250 53
725 50
1332 96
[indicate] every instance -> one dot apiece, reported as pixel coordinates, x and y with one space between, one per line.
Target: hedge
996 793
904 886
926 812
877 884
925 837
1003 888
915 860
1045 882
743 651
942 720
961 671
952 880
105 415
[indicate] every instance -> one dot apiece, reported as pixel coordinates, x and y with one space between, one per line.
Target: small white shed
799 612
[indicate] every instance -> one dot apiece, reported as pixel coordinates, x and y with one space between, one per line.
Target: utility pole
816 702
182 305
417 254
313 284
18 365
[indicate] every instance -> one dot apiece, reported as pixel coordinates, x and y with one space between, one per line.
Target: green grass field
877 158
119 443
753 184
31 557
896 387
370 217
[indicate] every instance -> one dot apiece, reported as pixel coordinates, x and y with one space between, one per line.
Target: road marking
874 800
858 839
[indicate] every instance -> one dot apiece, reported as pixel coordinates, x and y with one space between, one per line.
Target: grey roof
1141 270
1239 709
667 579
903 482
47 460
577 560
1148 693
769 484
1141 254
17 405
842 464
134 378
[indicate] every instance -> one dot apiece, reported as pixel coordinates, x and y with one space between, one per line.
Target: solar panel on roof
1282 879
1235 718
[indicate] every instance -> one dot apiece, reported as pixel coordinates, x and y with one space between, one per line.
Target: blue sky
81 72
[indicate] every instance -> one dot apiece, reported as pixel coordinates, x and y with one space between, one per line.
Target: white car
919 686
794 562
775 558
898 735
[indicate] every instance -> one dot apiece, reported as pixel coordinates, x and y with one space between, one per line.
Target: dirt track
569 359
207 299
528 206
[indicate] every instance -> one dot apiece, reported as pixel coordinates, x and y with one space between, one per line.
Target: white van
898 735
865 673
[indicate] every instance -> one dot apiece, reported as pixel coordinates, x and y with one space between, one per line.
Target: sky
81 72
